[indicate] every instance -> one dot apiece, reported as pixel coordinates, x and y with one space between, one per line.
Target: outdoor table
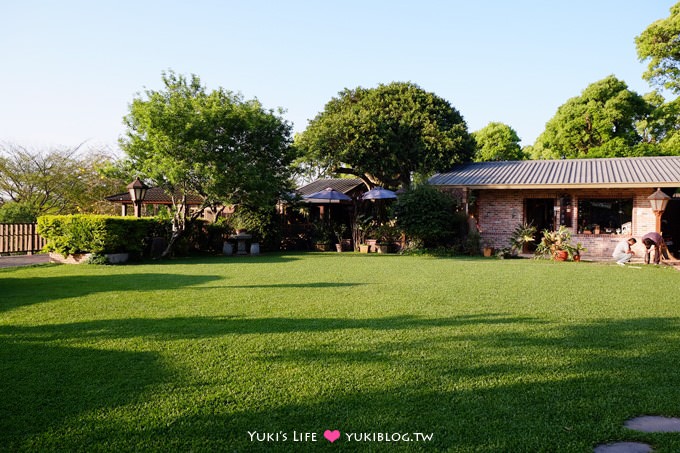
241 239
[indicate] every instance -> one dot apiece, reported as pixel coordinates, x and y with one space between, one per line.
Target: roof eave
644 185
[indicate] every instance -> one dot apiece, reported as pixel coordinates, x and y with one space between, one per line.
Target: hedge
98 234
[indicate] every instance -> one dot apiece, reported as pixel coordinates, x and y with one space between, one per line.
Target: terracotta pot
488 251
561 255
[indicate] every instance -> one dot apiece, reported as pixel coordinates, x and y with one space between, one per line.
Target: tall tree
385 135
215 144
55 181
497 141
601 122
659 44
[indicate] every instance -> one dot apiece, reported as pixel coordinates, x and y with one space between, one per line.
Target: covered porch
601 201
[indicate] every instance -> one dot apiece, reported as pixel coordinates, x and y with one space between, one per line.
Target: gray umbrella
378 193
327 195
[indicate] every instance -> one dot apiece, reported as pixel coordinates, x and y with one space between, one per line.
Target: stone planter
80 258
255 248
372 244
76 258
227 248
383 248
364 248
117 258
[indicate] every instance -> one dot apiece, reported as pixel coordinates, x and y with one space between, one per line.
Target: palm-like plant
523 234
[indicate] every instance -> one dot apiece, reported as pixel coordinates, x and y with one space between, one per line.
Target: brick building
601 201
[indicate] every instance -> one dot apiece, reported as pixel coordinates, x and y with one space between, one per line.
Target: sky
69 69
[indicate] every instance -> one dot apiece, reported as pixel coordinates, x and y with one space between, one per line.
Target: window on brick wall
604 215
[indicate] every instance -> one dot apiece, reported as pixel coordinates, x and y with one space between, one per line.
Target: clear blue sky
69 69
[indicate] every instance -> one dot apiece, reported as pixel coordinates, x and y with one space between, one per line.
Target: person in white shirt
622 253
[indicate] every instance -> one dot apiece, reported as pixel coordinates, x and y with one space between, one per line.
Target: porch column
465 201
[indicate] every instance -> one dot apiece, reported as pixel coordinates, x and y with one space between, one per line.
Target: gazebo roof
154 195
344 185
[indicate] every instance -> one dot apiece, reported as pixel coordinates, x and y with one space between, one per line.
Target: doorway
670 226
540 212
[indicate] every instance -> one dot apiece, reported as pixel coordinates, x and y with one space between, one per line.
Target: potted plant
386 235
365 227
339 231
238 221
522 235
323 236
557 245
576 250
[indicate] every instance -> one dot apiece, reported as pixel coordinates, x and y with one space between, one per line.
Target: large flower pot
561 255
383 248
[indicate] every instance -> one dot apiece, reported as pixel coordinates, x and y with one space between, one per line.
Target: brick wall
499 212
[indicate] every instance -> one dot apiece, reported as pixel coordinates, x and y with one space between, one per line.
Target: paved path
23 260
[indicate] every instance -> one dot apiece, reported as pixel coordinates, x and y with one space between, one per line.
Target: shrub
98 234
428 215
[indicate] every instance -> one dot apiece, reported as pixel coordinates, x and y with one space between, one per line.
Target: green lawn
193 355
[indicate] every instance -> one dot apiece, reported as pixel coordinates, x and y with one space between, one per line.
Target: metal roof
344 185
620 172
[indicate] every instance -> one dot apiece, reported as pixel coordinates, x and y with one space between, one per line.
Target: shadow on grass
274 257
476 382
44 387
570 393
206 327
18 292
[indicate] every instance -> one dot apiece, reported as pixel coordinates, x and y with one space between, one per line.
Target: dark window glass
605 215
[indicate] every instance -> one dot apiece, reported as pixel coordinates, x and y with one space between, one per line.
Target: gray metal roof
154 195
661 171
344 185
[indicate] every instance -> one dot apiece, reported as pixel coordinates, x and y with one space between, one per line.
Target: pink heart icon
332 436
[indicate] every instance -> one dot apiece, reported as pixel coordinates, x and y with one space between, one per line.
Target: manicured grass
192 355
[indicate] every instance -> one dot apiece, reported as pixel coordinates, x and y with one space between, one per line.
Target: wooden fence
20 237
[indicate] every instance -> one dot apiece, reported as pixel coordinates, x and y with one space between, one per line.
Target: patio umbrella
378 193
326 195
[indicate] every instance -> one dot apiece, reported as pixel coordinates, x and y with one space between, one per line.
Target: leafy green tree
428 215
215 144
18 212
385 135
497 141
56 181
601 122
662 126
659 44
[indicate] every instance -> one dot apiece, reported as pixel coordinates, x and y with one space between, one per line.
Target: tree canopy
385 135
53 181
215 144
659 44
497 141
601 122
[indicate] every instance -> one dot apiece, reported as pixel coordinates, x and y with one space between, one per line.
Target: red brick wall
499 211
